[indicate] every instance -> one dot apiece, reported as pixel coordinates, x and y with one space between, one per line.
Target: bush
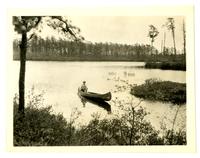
130 129
156 90
175 138
40 127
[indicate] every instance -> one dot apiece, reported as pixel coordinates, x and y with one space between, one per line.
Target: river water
61 80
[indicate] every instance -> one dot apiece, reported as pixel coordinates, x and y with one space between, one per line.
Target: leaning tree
27 26
153 32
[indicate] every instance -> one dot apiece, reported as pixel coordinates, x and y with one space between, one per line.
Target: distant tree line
59 49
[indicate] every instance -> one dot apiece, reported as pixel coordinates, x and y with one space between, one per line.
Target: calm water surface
60 81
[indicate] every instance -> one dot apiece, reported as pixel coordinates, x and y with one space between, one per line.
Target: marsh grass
157 90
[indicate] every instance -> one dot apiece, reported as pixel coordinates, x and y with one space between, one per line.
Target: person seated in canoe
84 87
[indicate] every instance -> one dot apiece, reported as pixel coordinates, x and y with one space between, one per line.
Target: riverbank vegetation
51 49
167 65
156 90
40 126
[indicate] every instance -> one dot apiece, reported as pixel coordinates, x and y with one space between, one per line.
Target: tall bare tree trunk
23 47
173 35
164 42
184 38
151 47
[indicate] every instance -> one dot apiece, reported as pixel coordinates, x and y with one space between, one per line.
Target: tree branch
31 36
66 29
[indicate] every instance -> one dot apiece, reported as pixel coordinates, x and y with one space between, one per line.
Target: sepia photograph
107 79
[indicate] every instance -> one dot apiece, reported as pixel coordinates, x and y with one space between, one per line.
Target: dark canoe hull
96 96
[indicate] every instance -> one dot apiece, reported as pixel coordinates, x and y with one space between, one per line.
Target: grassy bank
166 65
165 91
41 127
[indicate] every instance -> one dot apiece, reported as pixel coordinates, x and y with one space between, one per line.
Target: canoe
96 96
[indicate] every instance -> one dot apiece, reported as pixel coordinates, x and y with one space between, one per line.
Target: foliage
60 49
153 32
170 24
33 25
175 138
52 47
156 90
41 127
129 129
166 65
25 25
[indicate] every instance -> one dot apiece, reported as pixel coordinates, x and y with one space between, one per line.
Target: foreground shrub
130 129
156 90
175 138
41 127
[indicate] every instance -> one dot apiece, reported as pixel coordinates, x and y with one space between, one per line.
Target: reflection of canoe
99 103
96 96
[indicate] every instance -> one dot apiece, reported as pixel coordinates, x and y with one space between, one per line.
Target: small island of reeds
157 90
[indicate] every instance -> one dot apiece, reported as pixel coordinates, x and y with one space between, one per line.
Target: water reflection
60 89
97 102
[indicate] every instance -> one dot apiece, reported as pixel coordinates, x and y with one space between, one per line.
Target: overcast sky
124 29
127 29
